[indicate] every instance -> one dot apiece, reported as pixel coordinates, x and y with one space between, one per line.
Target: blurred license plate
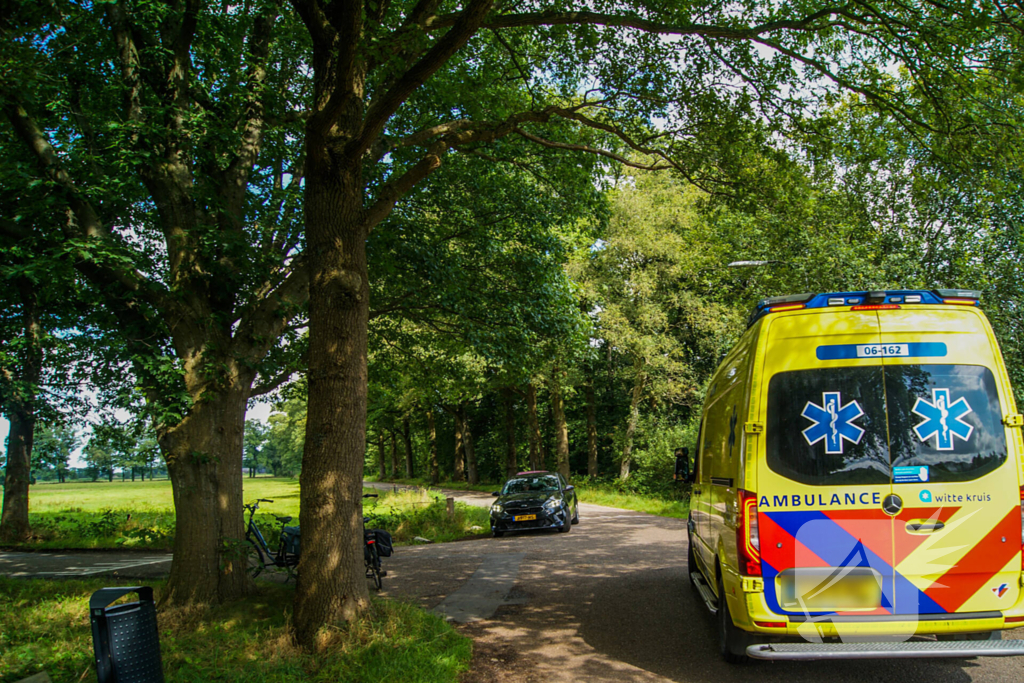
830 588
525 518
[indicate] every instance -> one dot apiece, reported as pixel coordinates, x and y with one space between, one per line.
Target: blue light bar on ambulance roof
874 300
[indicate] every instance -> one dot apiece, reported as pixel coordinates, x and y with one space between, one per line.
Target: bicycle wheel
255 562
373 568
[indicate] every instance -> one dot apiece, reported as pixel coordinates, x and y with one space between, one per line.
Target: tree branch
393 190
556 18
131 282
464 27
265 324
130 65
236 176
316 22
591 150
272 383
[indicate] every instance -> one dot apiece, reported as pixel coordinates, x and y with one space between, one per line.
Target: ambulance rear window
945 419
876 424
826 426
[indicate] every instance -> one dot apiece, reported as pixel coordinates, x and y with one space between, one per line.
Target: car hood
537 497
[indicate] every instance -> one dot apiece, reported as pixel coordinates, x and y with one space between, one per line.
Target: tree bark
14 521
381 474
407 437
459 466
467 444
204 463
332 584
537 454
435 474
394 456
511 456
561 431
20 395
631 422
591 430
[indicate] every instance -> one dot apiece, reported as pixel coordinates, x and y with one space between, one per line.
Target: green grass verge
140 515
44 626
596 493
600 494
410 513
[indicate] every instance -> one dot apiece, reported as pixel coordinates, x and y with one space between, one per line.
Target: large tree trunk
407 437
511 456
20 397
14 521
634 416
332 584
459 467
561 431
204 464
537 454
467 444
435 471
591 431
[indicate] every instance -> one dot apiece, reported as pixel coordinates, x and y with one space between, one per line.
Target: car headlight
552 504
497 508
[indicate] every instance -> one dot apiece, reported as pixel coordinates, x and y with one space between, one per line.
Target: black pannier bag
381 539
384 547
290 539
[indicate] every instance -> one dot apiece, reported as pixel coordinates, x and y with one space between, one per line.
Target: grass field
44 626
141 514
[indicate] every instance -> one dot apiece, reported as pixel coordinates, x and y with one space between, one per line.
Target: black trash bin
125 637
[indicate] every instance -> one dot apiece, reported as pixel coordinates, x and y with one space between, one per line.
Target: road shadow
656 622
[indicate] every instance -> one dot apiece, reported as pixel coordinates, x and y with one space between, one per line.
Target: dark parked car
534 500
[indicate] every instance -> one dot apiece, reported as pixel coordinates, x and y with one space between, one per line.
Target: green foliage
408 514
44 626
286 435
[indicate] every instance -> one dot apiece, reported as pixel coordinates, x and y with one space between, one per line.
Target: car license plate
525 518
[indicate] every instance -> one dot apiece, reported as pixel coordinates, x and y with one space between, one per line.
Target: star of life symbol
832 422
942 419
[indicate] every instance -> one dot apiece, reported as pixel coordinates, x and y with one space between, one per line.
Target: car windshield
540 484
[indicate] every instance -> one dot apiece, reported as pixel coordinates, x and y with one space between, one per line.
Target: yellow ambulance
858 488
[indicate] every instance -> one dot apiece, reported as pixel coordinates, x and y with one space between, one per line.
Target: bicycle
376 544
260 555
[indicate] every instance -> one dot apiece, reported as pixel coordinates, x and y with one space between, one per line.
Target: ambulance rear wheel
732 642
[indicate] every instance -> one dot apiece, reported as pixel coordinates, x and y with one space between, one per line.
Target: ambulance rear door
956 538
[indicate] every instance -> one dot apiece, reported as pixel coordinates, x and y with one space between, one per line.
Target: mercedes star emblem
892 504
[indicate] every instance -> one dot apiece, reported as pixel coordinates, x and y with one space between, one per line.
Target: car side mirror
570 487
495 493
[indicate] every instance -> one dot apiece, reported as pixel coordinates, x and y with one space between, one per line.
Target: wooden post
451 507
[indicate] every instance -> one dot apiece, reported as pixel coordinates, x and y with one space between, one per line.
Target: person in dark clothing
682 472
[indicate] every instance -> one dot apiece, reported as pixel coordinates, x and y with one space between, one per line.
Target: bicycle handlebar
264 500
370 495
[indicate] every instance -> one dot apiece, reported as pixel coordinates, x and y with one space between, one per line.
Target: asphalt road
609 601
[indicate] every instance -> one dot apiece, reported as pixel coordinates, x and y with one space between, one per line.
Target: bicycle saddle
283 520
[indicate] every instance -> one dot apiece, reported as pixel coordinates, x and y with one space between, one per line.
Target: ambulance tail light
748 541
